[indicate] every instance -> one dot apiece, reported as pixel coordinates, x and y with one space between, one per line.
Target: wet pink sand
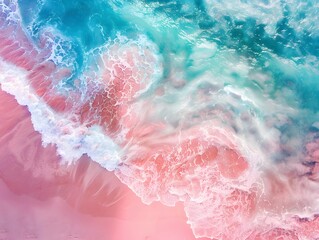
40 198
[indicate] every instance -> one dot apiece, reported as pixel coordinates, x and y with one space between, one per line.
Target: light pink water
42 199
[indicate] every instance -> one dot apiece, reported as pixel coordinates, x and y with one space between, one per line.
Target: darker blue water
88 25
85 25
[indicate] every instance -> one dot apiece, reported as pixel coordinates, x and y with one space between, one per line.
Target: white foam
140 56
71 138
265 13
10 9
59 47
269 12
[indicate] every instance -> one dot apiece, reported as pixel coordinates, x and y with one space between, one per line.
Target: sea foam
71 138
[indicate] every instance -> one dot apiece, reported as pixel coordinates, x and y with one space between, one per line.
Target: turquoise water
88 26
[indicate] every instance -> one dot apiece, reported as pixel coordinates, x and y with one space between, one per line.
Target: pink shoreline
41 199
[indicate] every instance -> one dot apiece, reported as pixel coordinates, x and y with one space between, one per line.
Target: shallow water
41 199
